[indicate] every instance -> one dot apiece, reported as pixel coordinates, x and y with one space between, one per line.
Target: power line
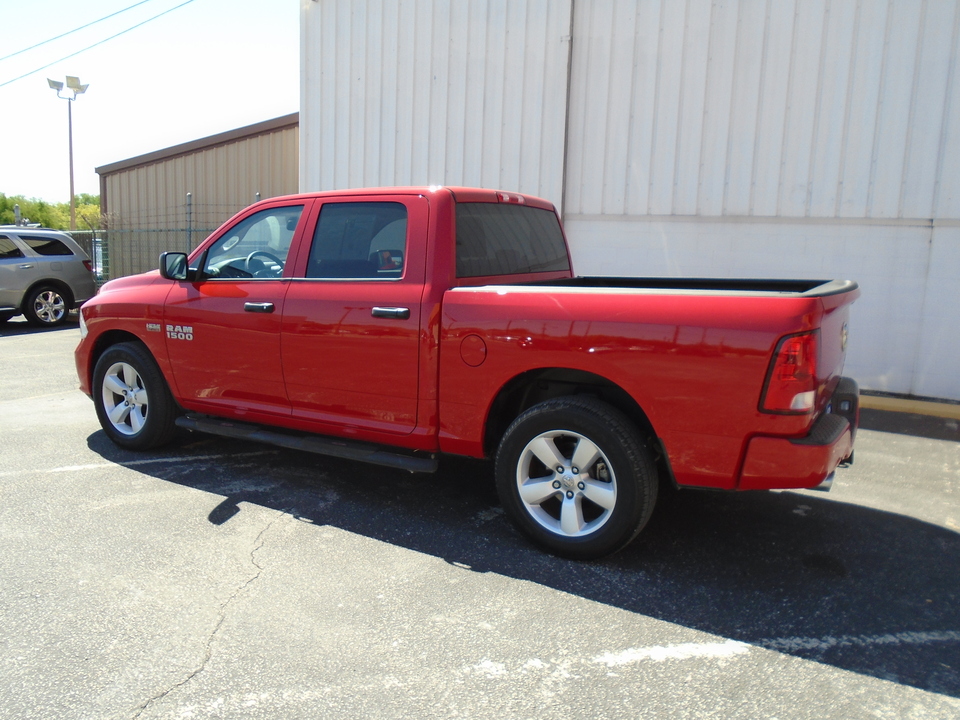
67 57
70 32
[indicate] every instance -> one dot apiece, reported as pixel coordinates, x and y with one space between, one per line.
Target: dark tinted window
501 239
45 245
8 249
359 240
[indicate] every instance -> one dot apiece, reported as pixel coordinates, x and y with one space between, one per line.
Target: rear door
223 331
351 323
17 272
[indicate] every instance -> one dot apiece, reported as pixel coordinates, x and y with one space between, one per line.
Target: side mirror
173 265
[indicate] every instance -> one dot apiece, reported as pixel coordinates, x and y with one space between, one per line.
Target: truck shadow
860 589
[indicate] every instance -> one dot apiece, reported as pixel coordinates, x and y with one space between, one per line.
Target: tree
52 215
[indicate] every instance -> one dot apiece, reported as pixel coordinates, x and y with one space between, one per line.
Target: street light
74 88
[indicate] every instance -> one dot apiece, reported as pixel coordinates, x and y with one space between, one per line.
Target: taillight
513 198
792 380
88 265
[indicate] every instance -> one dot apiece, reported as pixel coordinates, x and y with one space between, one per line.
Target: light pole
75 88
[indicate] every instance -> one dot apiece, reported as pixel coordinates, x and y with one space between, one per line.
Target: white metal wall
680 137
422 92
787 108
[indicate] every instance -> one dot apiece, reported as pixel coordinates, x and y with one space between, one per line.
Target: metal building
790 138
171 199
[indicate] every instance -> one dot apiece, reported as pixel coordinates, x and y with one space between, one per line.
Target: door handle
397 313
264 307
25 267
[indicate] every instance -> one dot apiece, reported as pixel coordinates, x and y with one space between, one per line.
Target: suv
43 274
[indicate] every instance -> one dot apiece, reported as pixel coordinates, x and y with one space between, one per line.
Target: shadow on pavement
860 589
19 326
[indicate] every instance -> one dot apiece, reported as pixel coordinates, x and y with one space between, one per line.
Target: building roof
261 128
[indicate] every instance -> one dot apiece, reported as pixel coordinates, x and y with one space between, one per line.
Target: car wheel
575 476
46 306
133 401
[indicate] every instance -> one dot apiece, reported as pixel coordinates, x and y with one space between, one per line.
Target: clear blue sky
204 68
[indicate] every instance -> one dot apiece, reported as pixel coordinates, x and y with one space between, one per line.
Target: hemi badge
153 327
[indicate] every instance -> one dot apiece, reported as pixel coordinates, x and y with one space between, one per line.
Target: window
256 247
359 240
500 239
8 249
46 246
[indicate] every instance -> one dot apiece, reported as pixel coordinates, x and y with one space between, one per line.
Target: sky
200 69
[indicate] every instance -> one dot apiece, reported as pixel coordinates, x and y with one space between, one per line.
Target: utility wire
67 57
70 32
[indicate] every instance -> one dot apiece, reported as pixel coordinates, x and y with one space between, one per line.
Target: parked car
406 322
43 275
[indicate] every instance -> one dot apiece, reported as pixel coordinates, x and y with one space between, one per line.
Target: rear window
501 239
360 240
45 245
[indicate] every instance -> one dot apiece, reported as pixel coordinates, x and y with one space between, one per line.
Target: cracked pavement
217 579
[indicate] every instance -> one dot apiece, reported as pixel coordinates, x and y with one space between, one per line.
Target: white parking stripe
684 651
729 648
794 644
134 463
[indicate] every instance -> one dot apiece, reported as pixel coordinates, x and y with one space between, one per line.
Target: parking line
134 463
790 645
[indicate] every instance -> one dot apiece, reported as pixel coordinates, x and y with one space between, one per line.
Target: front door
223 331
351 322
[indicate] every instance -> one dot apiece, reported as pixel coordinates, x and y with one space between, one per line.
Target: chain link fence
117 253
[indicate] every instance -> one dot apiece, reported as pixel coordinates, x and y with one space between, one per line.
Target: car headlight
83 325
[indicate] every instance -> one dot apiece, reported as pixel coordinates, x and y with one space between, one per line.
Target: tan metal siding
222 179
150 197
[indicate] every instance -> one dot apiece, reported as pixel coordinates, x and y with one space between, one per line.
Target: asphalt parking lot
215 579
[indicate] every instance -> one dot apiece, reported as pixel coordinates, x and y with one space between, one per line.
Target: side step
346 449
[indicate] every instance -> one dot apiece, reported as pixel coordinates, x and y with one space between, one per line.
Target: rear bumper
807 462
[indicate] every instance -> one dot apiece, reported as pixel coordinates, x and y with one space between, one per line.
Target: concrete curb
906 405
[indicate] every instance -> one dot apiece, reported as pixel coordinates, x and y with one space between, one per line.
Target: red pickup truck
393 324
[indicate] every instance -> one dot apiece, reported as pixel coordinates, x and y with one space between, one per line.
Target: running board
345 449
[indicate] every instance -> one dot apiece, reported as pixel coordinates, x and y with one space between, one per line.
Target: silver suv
43 274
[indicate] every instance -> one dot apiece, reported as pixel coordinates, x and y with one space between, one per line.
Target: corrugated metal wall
778 108
434 92
679 137
146 197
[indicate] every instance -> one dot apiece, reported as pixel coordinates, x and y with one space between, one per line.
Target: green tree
52 215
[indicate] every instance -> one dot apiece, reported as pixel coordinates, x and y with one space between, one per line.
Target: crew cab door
223 330
17 272
351 321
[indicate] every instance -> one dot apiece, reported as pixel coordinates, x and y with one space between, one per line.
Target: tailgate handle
265 307
399 313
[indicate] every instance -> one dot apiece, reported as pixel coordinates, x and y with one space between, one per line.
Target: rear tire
575 475
46 306
134 404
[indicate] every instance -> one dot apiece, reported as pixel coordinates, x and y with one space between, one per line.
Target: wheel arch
107 340
62 287
535 386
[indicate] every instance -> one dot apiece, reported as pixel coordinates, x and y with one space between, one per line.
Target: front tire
46 306
133 401
575 476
